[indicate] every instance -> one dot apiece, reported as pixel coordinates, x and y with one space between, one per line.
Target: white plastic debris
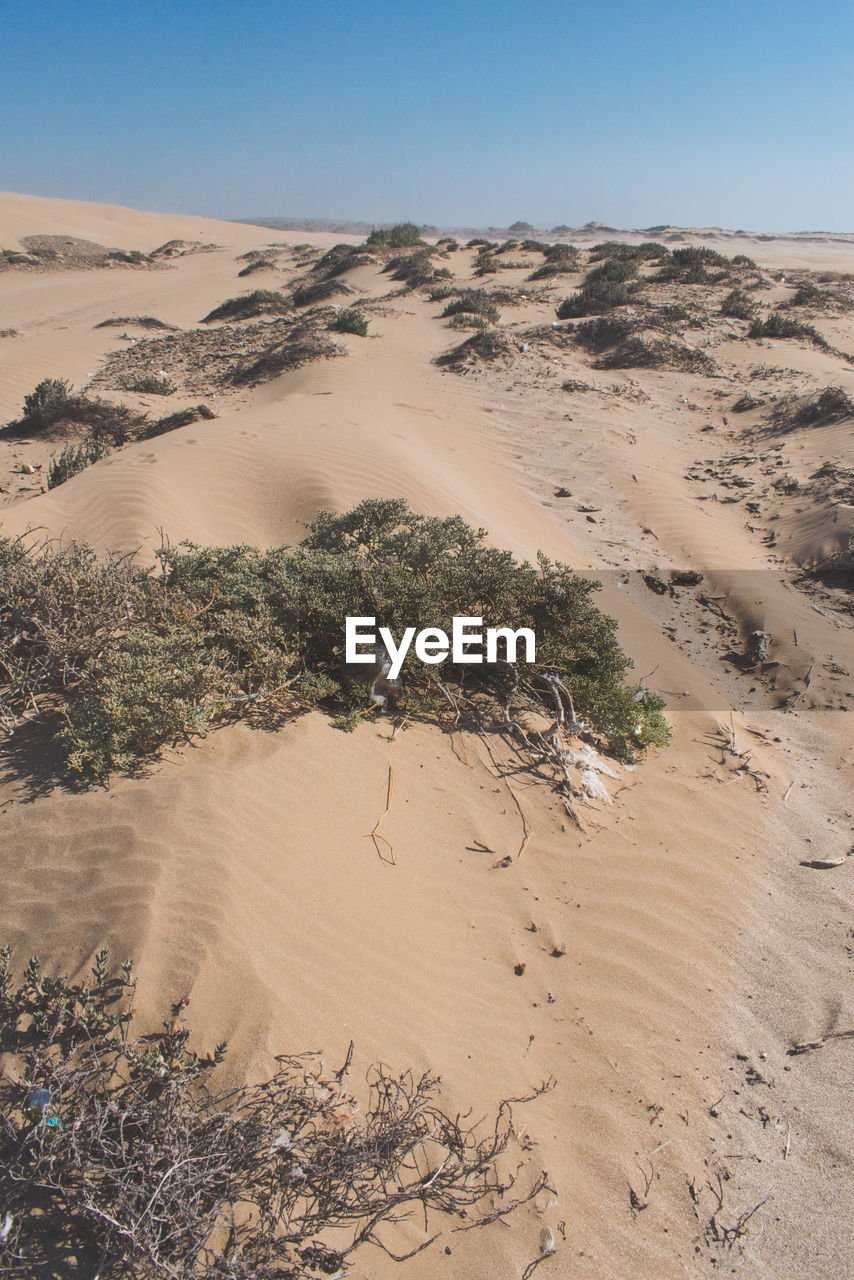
593 786
6 1227
585 757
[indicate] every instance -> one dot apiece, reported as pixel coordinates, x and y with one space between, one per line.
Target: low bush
613 271
260 264
565 267
213 632
779 325
808 294
468 320
152 384
637 352
604 332
138 322
473 302
173 421
833 404
350 321
488 347
739 305
650 250
310 294
690 265
53 405
416 270
262 302
75 458
486 264
339 259
124 1156
560 253
401 236
597 297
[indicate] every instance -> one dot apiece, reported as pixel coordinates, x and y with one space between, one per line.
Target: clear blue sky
728 113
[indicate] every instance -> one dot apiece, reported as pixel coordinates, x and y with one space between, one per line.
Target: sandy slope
677 932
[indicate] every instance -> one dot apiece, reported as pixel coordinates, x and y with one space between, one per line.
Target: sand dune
669 952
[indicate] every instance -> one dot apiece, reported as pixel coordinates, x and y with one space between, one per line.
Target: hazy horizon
485 114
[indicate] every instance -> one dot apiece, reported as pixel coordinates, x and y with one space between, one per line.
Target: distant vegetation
215 632
401 236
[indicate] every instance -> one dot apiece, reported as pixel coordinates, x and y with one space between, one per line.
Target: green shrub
341 258
416 270
808 295
485 264
350 321
742 260
779 325
561 253
140 322
401 236
125 1154
219 631
75 458
689 265
261 302
603 332
550 269
467 320
739 305
53 404
151 384
43 404
442 291
260 264
473 302
310 294
613 271
535 246
650 250
597 297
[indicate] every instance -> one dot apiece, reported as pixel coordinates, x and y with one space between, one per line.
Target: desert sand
662 962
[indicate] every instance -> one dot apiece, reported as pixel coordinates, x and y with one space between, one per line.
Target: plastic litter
593 787
35 1104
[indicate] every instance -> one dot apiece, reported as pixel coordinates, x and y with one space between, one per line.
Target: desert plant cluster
122 1155
124 658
